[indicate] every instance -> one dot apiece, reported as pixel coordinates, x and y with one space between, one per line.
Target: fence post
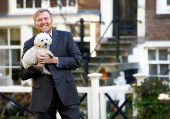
140 78
95 94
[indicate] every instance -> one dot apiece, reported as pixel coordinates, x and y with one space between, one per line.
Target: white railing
96 101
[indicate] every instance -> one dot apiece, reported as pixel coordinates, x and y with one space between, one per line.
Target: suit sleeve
31 72
74 59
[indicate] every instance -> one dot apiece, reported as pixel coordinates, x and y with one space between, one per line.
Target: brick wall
3 6
156 28
88 4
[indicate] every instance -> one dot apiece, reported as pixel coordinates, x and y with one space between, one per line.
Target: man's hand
46 59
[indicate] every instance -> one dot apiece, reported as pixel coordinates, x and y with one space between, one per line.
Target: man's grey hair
39 11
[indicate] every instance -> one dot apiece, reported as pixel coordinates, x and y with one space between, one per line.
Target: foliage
102 69
147 102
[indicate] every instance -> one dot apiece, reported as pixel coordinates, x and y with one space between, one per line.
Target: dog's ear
36 41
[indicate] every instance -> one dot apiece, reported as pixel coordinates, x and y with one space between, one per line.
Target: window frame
45 4
10 48
162 7
157 62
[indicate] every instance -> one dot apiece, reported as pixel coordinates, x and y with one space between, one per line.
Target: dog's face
42 40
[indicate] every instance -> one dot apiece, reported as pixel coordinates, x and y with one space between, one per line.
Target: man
56 92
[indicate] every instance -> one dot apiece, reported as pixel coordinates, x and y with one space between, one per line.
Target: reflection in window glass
63 2
163 69
16 57
164 78
53 3
151 54
163 54
76 31
15 36
152 69
28 3
20 4
168 2
72 2
3 37
4 71
15 76
4 57
37 3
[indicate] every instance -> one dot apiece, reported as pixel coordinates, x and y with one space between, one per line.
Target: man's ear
35 24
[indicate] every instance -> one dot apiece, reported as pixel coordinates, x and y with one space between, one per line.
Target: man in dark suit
56 92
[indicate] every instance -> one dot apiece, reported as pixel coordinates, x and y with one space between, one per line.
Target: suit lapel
55 39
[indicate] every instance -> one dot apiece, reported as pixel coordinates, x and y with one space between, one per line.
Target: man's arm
31 72
74 59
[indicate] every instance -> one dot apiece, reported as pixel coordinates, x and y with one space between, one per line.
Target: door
126 10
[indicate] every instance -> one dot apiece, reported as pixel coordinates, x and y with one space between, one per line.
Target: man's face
44 22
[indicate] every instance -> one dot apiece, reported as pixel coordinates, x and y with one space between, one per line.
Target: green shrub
147 102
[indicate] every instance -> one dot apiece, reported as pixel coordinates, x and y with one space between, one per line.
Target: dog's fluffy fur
42 40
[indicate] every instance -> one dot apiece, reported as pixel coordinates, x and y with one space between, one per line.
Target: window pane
16 57
53 3
15 36
35 31
3 37
4 71
164 78
72 2
4 57
163 69
37 3
62 3
5 78
168 2
151 54
28 3
15 76
20 4
76 31
163 54
152 69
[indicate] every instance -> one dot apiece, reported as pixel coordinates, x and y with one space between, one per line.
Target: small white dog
42 40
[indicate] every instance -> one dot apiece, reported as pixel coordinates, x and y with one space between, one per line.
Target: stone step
122 38
112 51
106 59
122 44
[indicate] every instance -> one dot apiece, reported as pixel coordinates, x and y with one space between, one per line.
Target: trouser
66 112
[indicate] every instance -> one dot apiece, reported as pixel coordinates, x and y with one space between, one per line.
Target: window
62 3
28 3
158 63
168 2
76 31
10 54
162 7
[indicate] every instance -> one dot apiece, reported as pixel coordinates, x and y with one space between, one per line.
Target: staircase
109 62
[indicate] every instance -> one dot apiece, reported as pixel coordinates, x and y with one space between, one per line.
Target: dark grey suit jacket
69 57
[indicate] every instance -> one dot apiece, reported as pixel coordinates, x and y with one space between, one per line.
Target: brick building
149 49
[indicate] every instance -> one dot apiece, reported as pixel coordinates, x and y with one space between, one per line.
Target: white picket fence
96 101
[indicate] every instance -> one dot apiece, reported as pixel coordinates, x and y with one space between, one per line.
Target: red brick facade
88 4
156 28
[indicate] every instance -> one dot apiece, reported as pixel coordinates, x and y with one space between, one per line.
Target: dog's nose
45 44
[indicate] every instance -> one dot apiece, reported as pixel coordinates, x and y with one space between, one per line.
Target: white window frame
162 7
10 48
156 46
44 4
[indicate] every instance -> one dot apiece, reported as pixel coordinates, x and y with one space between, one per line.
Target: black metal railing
86 58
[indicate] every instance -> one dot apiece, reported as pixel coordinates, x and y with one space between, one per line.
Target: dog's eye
42 40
